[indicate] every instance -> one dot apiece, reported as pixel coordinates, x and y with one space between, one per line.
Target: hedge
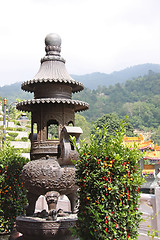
108 178
12 194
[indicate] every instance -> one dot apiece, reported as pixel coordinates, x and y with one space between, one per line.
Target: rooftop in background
152 152
138 142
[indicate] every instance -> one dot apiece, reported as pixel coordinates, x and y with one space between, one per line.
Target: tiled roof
52 72
26 105
133 139
153 155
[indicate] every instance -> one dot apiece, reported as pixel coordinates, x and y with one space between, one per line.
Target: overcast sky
97 35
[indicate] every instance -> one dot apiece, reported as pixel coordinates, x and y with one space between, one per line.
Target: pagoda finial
53 48
53 39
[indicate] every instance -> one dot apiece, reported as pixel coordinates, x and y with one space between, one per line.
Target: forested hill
91 81
14 91
139 98
96 79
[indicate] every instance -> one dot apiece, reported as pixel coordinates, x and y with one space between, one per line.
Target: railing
150 208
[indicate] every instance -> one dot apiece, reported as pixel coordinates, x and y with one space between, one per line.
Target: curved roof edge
26 105
30 84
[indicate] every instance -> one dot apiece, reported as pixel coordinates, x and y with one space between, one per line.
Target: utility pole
4 120
8 112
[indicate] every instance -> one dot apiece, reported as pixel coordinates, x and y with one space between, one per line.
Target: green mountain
96 79
14 91
139 98
91 81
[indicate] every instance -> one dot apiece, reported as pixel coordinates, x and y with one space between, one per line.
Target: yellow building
151 154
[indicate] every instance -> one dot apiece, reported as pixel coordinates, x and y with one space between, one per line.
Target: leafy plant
13 134
10 128
113 124
18 123
24 150
108 178
80 121
12 193
20 129
28 126
24 139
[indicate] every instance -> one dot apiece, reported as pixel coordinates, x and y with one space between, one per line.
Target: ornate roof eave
30 85
28 104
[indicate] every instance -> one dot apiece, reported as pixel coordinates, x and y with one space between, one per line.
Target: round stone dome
53 39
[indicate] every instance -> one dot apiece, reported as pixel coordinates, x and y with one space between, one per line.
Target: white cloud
97 35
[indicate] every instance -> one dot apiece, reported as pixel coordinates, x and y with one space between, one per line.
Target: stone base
34 228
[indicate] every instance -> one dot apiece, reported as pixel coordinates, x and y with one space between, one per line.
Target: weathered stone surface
41 176
51 168
39 229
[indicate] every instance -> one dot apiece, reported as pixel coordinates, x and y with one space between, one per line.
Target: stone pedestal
34 228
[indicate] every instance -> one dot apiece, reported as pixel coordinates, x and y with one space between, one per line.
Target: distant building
150 164
138 142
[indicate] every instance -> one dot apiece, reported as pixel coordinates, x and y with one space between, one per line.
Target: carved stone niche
68 151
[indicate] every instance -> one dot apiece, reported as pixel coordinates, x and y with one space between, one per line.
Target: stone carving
52 199
42 176
51 171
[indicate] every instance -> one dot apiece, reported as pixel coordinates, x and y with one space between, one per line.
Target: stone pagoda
51 171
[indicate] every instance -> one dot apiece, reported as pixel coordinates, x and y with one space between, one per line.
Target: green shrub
8 138
108 178
24 139
11 129
13 134
20 129
12 194
18 123
24 150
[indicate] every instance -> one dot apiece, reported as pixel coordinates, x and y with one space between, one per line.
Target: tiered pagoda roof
52 72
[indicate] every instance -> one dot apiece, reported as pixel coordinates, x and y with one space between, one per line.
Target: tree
156 136
80 121
112 122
